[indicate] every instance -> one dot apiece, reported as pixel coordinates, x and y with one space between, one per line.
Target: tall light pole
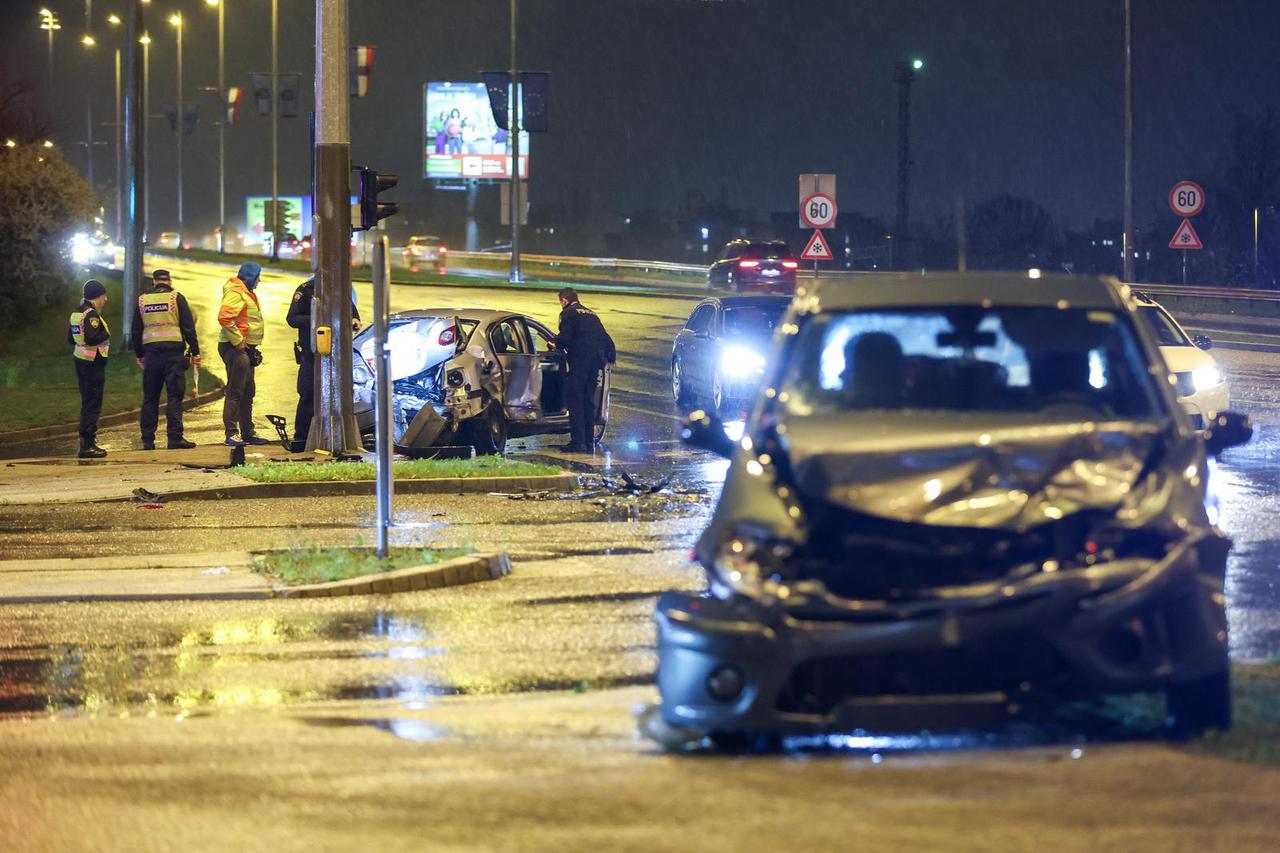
88 41
49 23
145 41
275 127
114 20
1127 239
176 21
135 176
513 128
905 75
222 126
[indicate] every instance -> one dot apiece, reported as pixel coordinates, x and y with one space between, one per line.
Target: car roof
758 241
761 300
879 290
427 237
478 315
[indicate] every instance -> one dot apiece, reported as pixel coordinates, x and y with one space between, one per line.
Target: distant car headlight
1206 376
740 361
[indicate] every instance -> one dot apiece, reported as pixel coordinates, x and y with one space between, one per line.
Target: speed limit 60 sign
1186 198
818 211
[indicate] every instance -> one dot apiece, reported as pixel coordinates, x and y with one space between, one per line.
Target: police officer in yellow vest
90 340
164 339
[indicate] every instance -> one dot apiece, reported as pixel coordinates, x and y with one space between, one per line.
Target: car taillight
748 265
442 250
790 265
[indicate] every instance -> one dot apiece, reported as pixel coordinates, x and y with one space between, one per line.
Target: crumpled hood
1007 472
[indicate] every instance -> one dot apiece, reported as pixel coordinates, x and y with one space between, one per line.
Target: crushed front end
946 590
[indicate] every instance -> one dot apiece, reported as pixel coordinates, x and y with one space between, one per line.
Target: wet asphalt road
499 715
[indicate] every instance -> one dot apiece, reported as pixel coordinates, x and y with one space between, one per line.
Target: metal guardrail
1209 291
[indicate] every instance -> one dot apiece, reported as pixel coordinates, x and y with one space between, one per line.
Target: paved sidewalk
155 577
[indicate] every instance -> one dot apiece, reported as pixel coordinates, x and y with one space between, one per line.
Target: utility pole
905 75
334 427
88 41
181 123
275 122
135 176
145 107
222 130
1127 239
513 127
120 196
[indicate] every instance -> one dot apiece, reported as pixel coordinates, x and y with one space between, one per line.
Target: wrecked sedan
468 377
958 499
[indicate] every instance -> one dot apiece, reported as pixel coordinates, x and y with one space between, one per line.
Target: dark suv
754 266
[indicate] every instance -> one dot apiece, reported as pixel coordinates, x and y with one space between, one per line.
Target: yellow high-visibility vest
81 349
159 310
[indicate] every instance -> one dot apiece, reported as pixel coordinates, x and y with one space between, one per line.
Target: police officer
164 338
90 341
299 317
588 348
240 316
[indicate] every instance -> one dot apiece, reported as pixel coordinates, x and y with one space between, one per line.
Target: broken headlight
748 563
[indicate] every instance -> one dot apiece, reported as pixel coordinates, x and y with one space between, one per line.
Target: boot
90 450
181 444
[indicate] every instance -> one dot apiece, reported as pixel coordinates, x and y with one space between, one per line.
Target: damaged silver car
468 377
958 499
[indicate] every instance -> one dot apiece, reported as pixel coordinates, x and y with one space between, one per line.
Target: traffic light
373 211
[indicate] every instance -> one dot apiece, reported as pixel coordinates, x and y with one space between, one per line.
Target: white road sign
818 211
1186 198
811 184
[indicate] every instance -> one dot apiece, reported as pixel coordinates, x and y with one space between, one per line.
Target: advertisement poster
294 211
461 139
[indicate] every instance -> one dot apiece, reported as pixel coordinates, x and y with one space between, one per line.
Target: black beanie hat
93 289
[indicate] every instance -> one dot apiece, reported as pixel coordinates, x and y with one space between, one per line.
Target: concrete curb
434 486
456 572
31 434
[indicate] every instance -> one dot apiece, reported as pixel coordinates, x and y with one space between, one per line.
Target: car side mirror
1227 429
706 432
1202 341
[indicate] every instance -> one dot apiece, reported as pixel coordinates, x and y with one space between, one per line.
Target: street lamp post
513 128
88 41
49 23
222 126
1127 239
145 41
275 131
176 20
134 136
905 75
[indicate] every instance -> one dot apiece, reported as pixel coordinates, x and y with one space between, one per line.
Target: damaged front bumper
810 662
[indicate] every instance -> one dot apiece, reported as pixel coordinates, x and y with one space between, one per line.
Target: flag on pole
361 69
234 96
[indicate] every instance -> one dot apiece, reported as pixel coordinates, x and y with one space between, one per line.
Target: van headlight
740 361
1206 376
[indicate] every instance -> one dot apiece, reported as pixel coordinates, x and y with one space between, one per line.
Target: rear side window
767 250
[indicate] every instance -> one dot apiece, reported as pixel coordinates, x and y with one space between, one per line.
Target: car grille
1002 663
1184 385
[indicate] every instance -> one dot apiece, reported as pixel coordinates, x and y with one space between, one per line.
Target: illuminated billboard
461 139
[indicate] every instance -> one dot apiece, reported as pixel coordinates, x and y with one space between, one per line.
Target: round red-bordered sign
818 211
1186 198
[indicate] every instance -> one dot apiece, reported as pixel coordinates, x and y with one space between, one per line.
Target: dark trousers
306 397
237 405
580 398
92 378
163 369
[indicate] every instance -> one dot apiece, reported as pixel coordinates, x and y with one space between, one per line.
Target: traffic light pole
334 427
135 175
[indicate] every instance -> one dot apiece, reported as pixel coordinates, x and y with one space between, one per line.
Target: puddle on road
226 665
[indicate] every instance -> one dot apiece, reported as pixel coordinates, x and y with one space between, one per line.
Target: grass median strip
321 565
406 469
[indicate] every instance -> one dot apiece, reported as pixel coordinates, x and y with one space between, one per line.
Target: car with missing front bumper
467 377
958 499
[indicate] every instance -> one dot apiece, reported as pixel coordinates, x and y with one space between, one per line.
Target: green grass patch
321 565
404 469
38 377
1255 732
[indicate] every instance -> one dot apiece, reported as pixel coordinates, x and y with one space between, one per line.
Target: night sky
655 99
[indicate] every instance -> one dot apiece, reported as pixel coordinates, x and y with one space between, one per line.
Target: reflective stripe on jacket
159 310
240 315
80 349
